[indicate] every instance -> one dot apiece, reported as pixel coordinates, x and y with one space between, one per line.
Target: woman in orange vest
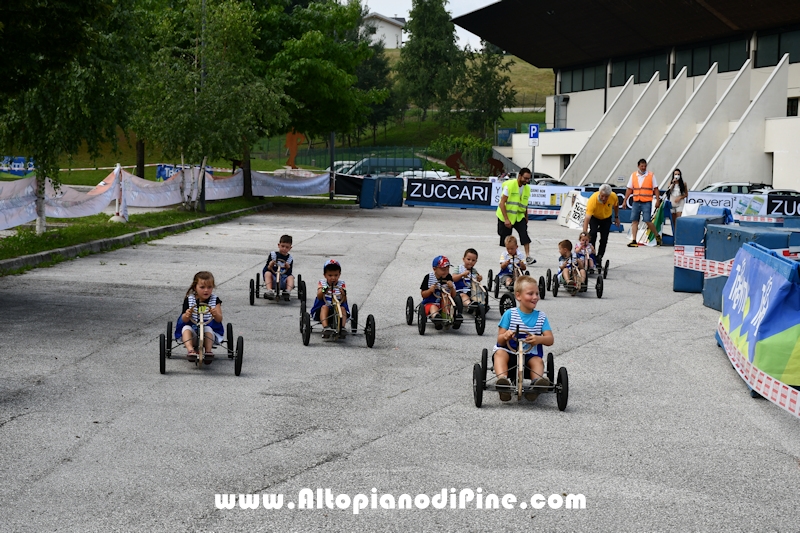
643 186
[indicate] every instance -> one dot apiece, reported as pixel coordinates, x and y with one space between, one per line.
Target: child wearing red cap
326 288
430 288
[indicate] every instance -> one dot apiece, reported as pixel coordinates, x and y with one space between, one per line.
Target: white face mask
676 176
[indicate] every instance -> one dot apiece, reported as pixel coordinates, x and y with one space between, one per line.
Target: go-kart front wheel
551 369
162 354
548 278
562 388
599 286
506 303
542 287
480 319
168 346
422 319
237 363
229 336
354 319
369 330
305 328
478 384
252 292
410 310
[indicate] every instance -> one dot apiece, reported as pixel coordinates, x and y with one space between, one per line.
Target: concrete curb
102 245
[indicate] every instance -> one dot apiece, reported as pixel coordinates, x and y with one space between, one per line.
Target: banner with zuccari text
760 321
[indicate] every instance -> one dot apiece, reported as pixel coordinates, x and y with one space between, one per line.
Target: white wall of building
781 140
390 34
743 156
553 146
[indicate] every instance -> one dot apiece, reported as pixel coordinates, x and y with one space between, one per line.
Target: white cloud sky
456 8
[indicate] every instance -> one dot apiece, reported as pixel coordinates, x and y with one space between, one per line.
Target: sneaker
269 294
437 323
327 332
540 384
530 260
208 358
191 357
633 244
505 385
285 296
658 239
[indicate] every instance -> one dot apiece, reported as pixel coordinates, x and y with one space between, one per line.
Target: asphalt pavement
659 434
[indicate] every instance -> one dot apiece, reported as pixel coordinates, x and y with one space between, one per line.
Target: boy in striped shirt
534 332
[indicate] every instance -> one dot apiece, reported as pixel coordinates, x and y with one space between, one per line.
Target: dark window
588 79
791 107
600 76
632 69
700 57
767 51
618 74
646 69
661 65
720 56
566 81
790 44
577 80
683 58
737 54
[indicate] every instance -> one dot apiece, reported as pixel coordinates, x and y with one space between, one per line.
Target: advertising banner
462 193
761 313
769 205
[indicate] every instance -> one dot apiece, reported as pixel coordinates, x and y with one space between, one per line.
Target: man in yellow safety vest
643 186
512 213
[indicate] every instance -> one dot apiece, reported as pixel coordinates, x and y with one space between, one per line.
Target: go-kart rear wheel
478 383
480 319
542 288
548 278
506 303
497 287
551 368
599 286
229 343
305 328
252 292
422 318
554 285
354 319
302 312
237 363
485 362
258 285
369 330
410 310
605 270
168 345
489 281
162 354
562 388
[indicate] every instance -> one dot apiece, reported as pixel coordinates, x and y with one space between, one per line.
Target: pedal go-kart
574 286
165 343
507 300
336 320
281 294
517 374
450 313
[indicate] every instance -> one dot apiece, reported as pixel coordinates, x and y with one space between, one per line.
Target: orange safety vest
642 191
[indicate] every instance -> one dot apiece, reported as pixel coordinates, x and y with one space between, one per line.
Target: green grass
87 229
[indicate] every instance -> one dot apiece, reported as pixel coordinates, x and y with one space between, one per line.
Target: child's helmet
441 261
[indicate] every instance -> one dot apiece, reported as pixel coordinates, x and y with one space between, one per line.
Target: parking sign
533 135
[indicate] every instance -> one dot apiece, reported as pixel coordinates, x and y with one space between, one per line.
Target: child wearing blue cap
326 288
430 288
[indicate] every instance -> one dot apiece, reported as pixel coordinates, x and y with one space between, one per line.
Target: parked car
341 166
735 187
777 192
425 174
544 180
384 165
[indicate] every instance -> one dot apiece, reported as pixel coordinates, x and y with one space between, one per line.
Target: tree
202 95
317 49
430 62
486 89
38 37
84 100
374 74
